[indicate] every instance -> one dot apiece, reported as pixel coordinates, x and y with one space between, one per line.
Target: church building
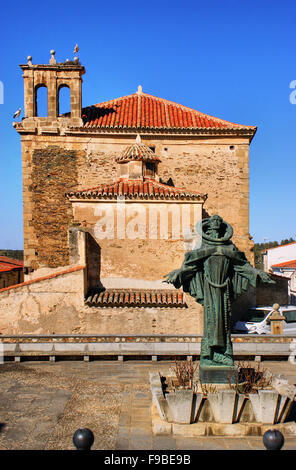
116 189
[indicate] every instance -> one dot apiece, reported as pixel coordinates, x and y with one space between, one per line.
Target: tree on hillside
260 247
14 254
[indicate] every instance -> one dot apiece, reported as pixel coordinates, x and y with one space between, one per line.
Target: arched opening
41 101
64 101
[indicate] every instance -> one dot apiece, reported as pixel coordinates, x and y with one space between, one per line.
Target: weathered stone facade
48 304
212 168
10 278
53 172
54 304
77 151
62 153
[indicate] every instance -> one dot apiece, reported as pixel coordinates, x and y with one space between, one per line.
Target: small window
150 168
152 148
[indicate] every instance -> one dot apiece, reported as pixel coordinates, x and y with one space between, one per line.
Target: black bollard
273 439
83 439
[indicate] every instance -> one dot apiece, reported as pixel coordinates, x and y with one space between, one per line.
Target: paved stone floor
42 404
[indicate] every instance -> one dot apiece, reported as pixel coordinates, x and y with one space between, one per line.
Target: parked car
256 320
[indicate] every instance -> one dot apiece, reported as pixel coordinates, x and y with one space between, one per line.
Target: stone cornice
58 66
151 132
245 132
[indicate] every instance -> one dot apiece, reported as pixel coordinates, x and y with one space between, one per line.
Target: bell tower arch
54 76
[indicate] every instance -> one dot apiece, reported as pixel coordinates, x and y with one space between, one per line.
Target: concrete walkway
111 398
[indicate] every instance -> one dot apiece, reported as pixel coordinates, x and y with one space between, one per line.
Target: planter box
224 406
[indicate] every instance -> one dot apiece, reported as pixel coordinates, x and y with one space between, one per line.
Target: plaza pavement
42 404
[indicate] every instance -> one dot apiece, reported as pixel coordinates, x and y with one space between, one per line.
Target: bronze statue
215 274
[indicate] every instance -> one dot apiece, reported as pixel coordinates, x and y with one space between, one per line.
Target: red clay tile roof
8 264
144 111
286 264
44 278
134 298
137 152
137 189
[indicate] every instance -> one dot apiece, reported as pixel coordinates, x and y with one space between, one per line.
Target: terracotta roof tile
141 110
44 278
134 298
137 152
8 264
6 259
286 264
149 189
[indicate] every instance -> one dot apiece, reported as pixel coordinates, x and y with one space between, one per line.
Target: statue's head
215 222
214 229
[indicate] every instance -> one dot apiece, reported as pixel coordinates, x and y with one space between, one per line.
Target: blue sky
234 60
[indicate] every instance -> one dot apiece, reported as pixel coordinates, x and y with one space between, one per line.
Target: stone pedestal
276 321
218 374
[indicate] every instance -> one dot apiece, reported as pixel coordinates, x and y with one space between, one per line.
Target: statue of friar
215 274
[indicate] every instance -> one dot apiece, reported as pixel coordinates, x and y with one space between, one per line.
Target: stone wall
143 320
143 346
217 167
157 251
219 170
9 278
45 305
47 213
53 165
54 304
268 294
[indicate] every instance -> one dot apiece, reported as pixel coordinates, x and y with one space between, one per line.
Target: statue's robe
214 275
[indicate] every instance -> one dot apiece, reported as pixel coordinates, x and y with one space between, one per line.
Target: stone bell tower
49 159
53 76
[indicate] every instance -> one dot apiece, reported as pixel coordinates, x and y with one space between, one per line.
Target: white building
281 260
288 269
278 254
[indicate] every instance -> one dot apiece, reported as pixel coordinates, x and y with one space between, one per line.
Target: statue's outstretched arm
172 277
190 266
265 277
251 273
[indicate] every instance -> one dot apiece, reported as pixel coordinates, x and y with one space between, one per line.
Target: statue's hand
265 277
171 277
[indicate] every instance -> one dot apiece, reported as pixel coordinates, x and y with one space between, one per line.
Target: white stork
17 113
